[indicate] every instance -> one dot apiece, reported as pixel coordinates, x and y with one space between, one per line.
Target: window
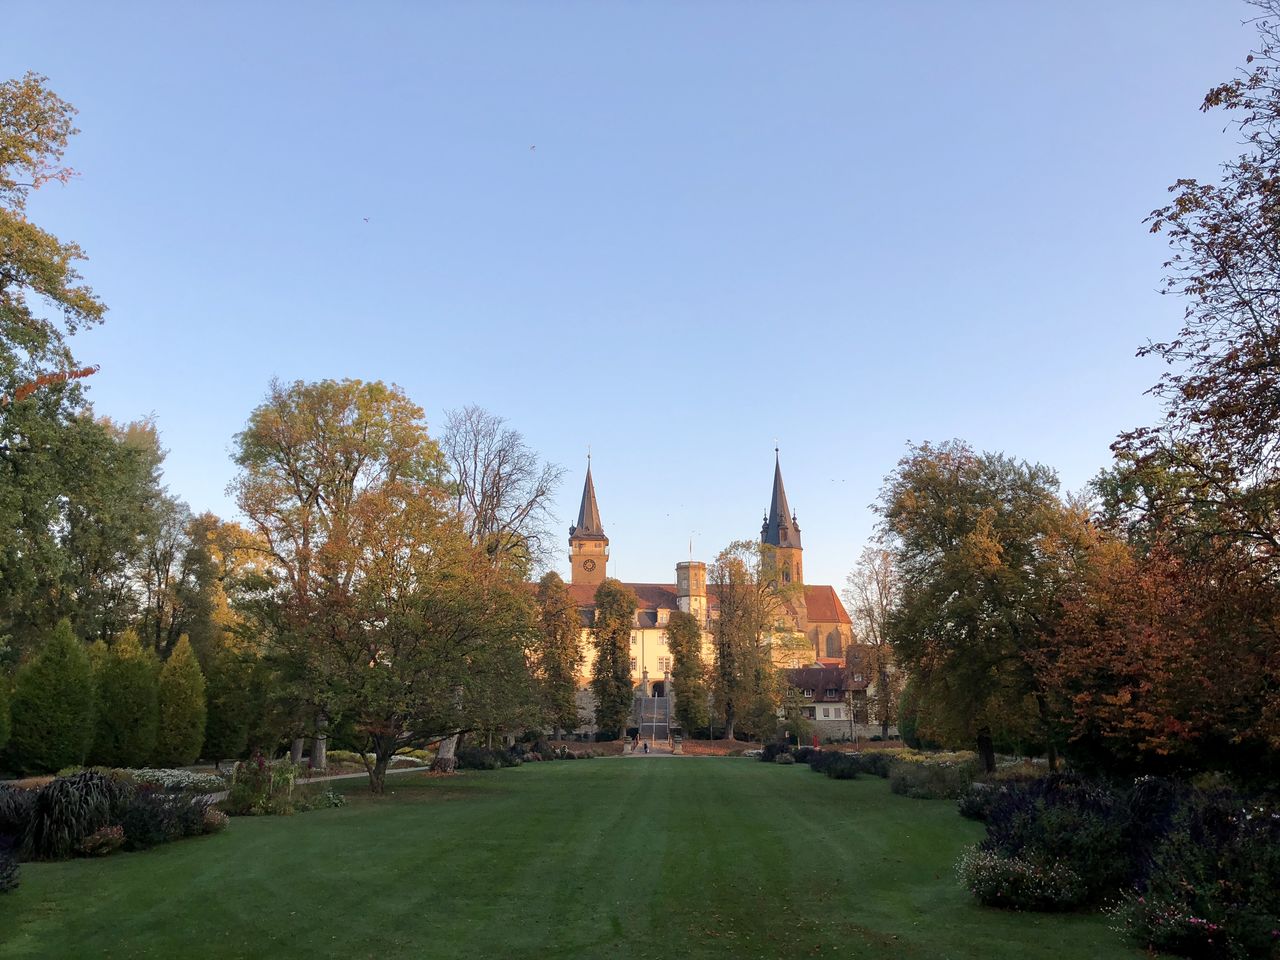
633 638
826 712
664 664
633 664
857 678
837 714
833 693
663 616
808 713
808 694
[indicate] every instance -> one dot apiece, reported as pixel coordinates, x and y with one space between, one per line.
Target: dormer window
808 694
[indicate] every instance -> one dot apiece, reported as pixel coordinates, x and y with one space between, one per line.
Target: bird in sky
366 219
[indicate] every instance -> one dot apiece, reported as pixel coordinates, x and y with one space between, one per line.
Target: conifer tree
559 651
611 674
229 707
5 727
52 711
127 706
181 698
688 673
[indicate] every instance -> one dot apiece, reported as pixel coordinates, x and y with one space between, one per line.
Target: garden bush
215 820
875 763
16 805
228 707
103 841
152 818
926 776
261 787
127 711
842 766
805 754
976 800
1212 887
175 781
771 750
1065 819
484 758
69 809
52 707
8 868
1020 883
181 706
784 758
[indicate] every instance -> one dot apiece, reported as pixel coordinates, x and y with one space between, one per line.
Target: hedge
52 708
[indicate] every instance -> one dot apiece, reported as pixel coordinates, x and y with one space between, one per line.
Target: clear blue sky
843 225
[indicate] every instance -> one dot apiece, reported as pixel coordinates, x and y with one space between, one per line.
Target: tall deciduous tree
611 672
53 705
872 592
500 487
752 604
182 712
1221 388
984 548
312 456
559 651
37 270
688 672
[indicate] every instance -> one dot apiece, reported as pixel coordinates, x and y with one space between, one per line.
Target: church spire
588 525
780 527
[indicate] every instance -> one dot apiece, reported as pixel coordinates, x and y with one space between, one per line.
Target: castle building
815 615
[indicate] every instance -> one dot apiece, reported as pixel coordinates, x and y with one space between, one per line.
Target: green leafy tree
5 726
230 704
611 672
181 698
688 672
984 549
752 624
559 651
128 711
52 709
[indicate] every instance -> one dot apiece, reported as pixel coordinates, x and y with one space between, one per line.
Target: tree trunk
295 752
986 750
884 729
1053 757
320 745
446 760
378 774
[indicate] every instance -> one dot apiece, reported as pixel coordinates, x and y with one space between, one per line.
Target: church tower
588 546
782 532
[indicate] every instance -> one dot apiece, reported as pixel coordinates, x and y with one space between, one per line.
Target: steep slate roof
588 526
822 679
780 527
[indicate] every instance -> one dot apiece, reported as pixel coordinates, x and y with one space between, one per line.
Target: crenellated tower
588 546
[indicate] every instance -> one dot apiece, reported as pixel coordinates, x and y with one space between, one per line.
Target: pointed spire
780 529
588 525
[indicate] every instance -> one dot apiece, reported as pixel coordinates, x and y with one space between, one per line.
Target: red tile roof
823 605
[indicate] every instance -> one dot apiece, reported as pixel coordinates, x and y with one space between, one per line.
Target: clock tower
588 546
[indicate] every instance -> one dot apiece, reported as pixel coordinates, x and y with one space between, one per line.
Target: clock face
588 565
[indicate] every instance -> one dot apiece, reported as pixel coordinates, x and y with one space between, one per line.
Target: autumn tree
559 651
500 487
307 457
1221 387
688 671
753 607
871 592
43 299
983 547
611 673
1169 666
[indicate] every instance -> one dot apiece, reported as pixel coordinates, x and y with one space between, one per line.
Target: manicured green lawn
665 857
